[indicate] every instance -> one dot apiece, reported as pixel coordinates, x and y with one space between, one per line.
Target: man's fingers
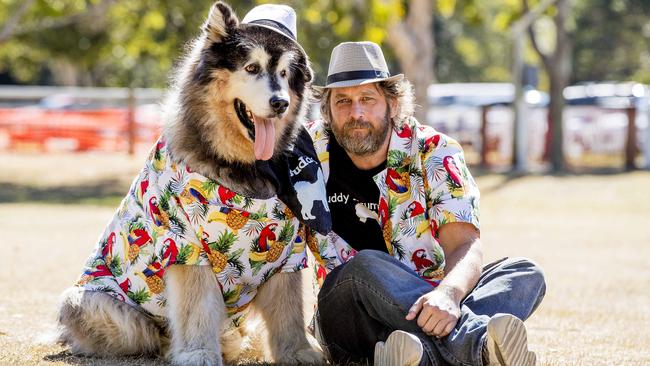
449 328
440 327
430 325
415 309
423 318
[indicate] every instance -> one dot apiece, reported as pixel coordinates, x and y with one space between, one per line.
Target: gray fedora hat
357 63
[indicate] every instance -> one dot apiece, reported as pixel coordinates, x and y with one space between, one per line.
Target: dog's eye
283 73
252 68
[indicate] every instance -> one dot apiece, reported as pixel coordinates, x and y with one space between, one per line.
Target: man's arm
439 310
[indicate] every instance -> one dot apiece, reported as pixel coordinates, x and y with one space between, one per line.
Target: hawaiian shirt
173 215
426 184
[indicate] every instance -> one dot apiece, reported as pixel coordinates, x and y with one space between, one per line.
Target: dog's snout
279 104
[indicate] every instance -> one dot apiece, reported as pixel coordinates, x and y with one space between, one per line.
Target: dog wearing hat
207 237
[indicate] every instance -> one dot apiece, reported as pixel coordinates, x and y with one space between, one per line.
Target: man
407 284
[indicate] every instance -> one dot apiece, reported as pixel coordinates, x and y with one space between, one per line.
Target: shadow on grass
71 359
105 193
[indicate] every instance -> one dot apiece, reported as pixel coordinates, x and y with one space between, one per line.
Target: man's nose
356 110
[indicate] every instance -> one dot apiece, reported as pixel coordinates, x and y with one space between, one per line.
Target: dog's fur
202 129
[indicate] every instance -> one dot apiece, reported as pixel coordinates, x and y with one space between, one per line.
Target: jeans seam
442 349
379 294
430 354
342 282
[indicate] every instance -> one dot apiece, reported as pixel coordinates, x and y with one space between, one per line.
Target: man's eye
342 101
252 68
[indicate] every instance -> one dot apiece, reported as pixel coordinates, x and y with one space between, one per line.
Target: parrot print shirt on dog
173 215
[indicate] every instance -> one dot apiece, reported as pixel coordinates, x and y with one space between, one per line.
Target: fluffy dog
183 260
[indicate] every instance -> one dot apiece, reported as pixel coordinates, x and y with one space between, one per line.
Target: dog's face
252 81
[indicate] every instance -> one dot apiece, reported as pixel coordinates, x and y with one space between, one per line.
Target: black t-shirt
353 198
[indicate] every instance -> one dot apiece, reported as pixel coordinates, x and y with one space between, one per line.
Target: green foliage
612 41
138 42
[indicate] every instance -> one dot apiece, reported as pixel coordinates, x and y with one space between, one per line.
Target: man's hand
439 310
438 313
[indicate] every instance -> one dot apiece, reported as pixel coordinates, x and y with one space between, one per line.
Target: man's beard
365 145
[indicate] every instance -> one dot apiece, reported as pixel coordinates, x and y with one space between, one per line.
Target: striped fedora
357 63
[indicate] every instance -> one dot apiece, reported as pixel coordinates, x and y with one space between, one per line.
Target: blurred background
523 84
549 98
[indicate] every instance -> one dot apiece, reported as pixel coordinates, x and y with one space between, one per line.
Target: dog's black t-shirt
353 198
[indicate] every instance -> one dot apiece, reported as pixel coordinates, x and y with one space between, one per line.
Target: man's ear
221 21
392 103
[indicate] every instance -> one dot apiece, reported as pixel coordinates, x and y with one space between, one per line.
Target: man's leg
363 301
366 299
512 286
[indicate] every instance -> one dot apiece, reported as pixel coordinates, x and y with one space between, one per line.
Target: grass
589 233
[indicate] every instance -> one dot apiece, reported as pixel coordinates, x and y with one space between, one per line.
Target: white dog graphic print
308 193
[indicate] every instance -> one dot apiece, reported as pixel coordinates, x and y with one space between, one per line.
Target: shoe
400 349
507 344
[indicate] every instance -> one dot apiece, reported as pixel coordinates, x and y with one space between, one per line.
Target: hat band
279 26
356 75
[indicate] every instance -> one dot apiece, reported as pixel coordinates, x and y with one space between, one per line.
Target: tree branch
546 60
10 25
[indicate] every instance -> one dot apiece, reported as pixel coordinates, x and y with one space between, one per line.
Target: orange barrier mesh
73 130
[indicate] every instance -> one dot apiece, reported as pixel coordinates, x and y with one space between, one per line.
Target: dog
201 242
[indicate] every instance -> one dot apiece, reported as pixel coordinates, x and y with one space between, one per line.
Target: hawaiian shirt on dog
175 216
426 184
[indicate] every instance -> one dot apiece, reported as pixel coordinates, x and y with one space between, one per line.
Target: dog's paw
307 356
198 357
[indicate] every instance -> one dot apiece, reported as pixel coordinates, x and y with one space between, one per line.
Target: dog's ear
221 21
309 73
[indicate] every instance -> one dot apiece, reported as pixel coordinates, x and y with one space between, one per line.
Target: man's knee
531 271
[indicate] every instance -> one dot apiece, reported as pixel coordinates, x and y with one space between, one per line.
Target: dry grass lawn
591 234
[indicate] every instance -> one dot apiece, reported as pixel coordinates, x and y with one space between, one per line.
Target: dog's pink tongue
264 138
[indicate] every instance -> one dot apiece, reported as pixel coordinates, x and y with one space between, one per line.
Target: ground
589 233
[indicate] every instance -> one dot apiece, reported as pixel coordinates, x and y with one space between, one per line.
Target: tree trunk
558 68
559 73
413 44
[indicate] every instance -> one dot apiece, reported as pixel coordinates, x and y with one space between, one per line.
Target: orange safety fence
104 129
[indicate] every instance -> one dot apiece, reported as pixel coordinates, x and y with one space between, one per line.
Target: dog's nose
279 105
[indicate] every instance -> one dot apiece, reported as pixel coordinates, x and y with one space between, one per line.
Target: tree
413 43
557 64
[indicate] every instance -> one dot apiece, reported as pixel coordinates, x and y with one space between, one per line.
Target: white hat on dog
279 18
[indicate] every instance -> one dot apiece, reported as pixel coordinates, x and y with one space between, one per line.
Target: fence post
630 144
484 139
130 123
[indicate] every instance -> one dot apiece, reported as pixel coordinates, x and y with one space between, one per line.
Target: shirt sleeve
453 193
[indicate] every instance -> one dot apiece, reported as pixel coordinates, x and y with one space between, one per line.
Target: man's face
361 118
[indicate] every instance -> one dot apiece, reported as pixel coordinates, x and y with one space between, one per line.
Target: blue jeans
367 298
